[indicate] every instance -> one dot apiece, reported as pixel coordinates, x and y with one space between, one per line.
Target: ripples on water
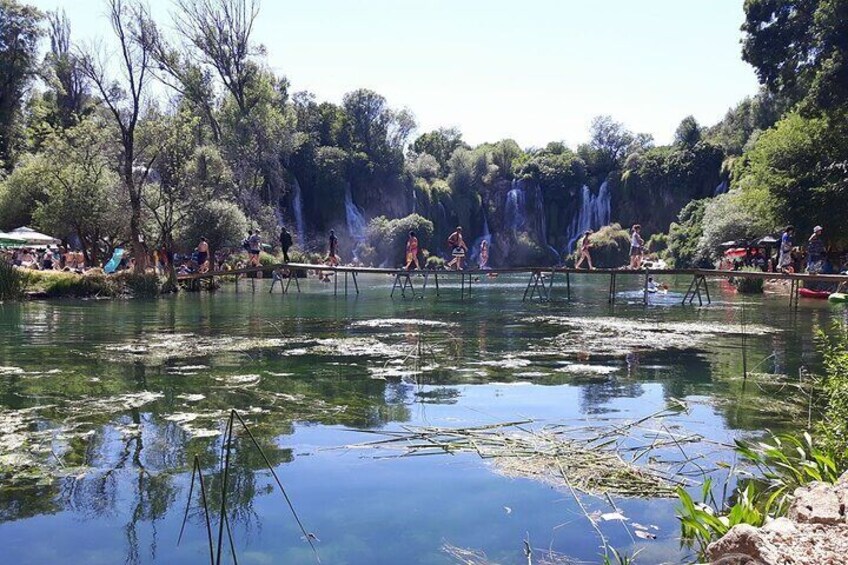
105 405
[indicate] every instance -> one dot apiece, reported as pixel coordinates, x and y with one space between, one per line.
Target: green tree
441 144
688 133
800 165
125 102
83 194
19 35
799 49
222 223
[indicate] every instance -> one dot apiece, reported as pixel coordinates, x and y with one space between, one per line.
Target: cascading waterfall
356 223
721 188
593 214
515 211
297 211
487 237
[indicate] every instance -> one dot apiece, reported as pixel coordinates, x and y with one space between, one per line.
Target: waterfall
721 188
297 210
414 201
487 237
515 211
593 214
356 223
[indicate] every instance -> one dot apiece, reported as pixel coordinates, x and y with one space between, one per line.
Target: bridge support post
402 281
612 288
694 290
536 284
645 293
568 285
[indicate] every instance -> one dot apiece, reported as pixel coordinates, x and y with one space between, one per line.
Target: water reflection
105 404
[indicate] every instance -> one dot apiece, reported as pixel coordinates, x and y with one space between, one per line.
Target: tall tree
19 35
125 99
440 143
82 189
688 133
62 72
799 49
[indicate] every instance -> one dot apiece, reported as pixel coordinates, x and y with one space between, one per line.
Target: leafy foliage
833 428
19 36
748 285
799 168
387 238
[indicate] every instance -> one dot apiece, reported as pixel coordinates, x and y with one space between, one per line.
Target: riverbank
93 284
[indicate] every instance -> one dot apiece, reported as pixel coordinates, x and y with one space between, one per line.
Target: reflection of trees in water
594 395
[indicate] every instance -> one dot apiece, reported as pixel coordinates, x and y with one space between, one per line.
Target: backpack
453 240
245 243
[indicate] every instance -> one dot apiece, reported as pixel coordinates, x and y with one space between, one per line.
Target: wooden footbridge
540 285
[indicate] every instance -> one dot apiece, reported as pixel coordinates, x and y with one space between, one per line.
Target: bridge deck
711 273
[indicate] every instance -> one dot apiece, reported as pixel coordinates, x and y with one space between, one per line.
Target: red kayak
808 293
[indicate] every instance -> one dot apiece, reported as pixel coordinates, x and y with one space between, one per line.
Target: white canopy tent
31 237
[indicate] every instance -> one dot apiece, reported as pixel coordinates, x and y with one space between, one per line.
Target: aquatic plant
833 385
215 555
587 460
13 282
701 523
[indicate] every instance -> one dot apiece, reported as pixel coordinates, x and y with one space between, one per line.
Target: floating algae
580 368
393 322
618 336
507 362
157 348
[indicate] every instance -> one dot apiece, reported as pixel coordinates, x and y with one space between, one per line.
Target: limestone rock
817 503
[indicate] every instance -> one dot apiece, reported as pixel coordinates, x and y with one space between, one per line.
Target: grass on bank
13 282
93 284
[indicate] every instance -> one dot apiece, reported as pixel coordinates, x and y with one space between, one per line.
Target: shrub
610 247
834 425
13 282
388 238
139 285
748 285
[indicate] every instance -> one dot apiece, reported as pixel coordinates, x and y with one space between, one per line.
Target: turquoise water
106 403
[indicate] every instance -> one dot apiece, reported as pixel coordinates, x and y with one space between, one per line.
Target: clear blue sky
535 71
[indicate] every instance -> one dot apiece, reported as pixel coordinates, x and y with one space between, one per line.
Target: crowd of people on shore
52 258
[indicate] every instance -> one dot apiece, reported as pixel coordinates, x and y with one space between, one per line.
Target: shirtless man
203 255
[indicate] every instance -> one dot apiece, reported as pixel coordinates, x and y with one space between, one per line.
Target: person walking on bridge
458 249
636 247
585 246
254 244
333 250
784 259
412 252
285 243
815 251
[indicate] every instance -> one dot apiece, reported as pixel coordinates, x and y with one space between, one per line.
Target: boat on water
818 294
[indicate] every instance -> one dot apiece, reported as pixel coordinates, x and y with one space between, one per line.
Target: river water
105 404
